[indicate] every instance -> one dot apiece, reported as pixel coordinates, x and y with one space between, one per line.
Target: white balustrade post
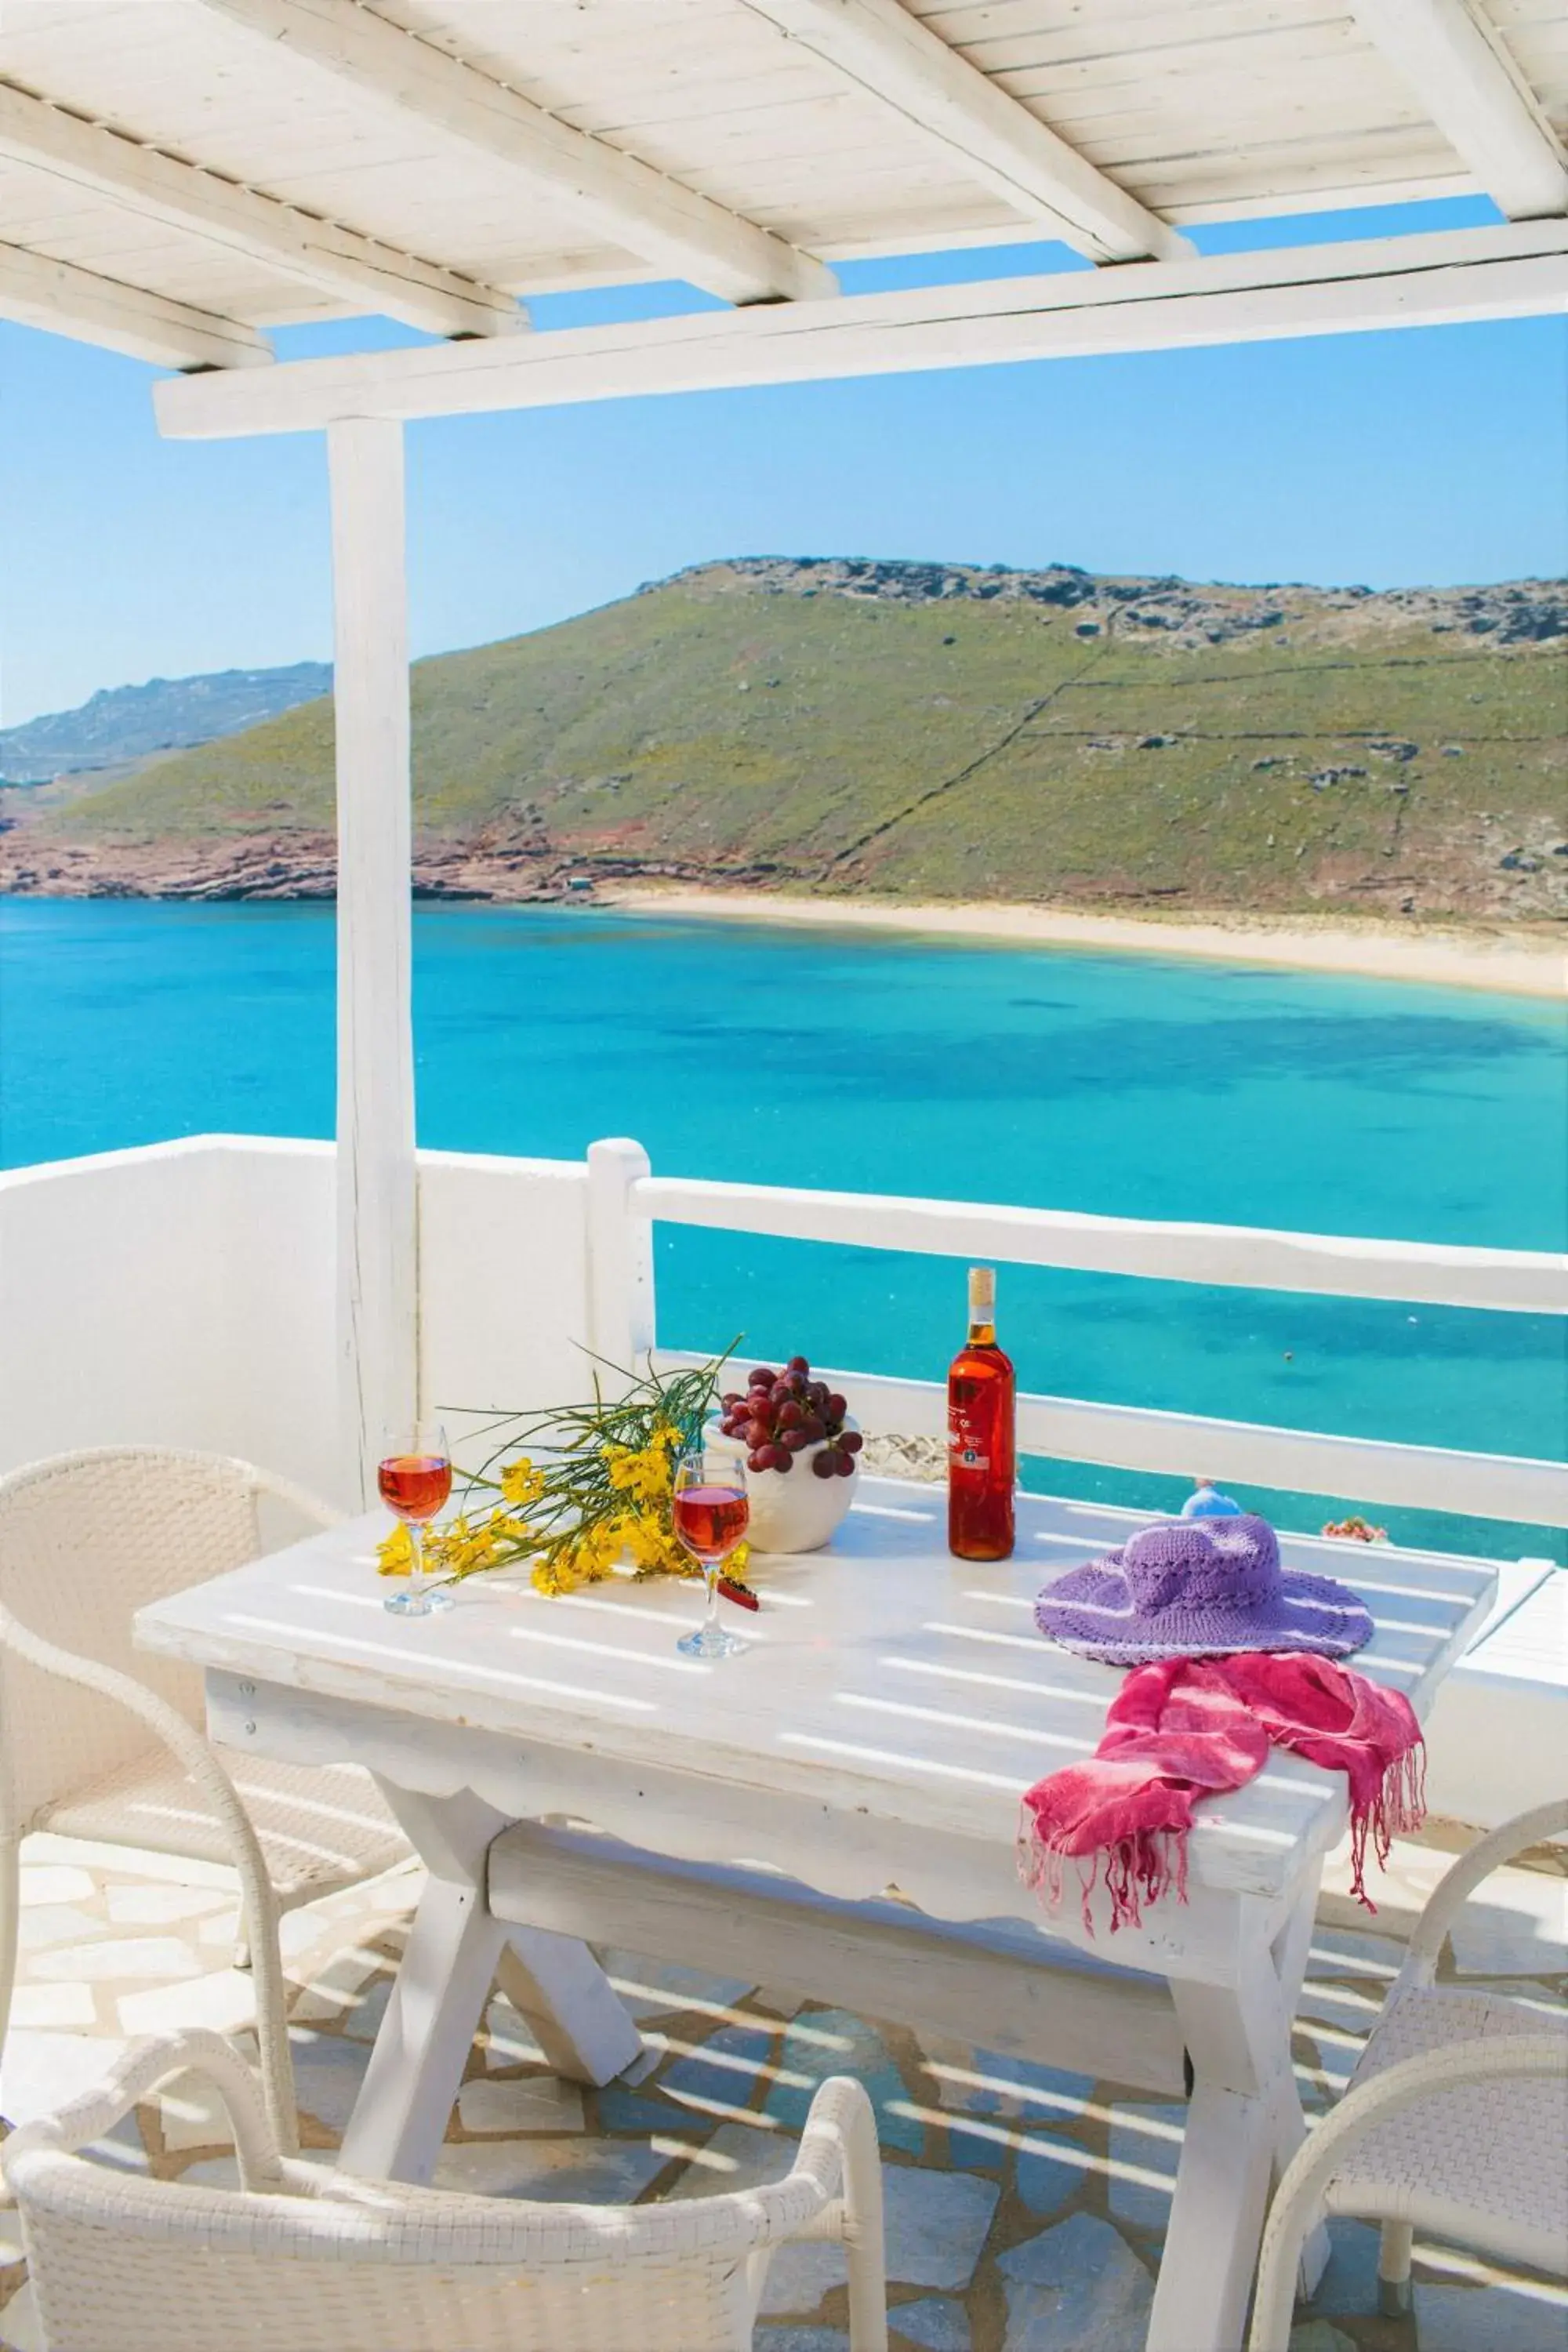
377 1203
620 1255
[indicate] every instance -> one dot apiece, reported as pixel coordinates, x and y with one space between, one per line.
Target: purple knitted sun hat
1195 1589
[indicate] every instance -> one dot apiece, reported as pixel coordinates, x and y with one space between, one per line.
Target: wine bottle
982 1454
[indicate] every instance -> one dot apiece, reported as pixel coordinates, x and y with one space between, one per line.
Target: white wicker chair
1455 2119
85 1541
304 2256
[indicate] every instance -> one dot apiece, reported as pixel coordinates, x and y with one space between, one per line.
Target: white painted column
378 1262
620 1259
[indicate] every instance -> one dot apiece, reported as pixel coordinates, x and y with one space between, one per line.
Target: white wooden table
879 1733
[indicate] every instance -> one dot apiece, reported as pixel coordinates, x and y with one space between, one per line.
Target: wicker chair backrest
86 1540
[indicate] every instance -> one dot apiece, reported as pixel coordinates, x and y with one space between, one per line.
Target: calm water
1129 1086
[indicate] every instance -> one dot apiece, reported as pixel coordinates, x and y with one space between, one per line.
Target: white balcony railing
626 1198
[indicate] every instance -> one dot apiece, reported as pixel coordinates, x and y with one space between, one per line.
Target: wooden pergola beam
38 291
1473 92
900 64
145 183
1516 270
622 199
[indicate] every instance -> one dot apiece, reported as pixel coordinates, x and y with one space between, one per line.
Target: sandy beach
1533 965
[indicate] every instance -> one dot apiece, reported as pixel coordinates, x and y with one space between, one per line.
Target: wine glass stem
710 1570
416 1580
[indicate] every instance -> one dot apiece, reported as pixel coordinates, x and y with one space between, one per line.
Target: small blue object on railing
1208 1503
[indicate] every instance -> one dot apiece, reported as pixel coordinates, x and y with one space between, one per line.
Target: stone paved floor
1026 2207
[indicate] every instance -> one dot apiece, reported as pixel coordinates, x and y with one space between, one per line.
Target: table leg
455 1948
1244 2124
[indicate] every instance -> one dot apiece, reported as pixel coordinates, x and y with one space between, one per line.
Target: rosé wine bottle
981 1453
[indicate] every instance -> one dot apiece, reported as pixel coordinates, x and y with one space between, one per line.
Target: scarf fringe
1138 1869
1398 1809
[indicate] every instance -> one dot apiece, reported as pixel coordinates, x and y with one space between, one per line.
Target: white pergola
176 176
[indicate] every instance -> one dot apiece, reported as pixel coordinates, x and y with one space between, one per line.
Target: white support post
620 1255
378 1273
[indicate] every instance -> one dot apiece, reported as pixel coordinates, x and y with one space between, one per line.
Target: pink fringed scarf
1186 1727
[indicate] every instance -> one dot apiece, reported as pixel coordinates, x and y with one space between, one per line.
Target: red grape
851 1441
837 1408
845 1465
731 1398
817 1393
794 1441
823 1465
790 1414
780 1392
758 1433
814 1429
762 1378
799 1364
755 1460
778 1458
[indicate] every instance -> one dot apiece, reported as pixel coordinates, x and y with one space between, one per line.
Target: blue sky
1433 456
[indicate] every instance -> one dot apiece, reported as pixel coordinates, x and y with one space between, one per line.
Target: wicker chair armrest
255 1885
134 2078
1448 1898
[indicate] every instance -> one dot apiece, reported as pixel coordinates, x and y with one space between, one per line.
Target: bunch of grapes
780 1414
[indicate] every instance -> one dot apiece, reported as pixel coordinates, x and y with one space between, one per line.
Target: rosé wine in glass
711 1510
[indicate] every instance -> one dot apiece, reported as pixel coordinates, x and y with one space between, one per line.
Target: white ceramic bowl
792 1510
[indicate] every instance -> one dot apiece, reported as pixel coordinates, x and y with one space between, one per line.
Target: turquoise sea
1132 1086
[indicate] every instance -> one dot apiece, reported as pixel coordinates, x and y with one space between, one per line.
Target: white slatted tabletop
891 1710
883 1676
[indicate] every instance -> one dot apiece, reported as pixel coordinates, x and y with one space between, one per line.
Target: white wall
184 1295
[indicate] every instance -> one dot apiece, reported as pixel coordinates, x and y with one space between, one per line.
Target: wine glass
710 1509
415 1482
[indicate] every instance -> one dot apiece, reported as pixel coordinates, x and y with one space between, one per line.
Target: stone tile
1045 2094
539 2103
620 2110
1354 1952
569 2172
1077 2288
1400 1892
338 1986
726 2071
656 1989
212 2172
328 2072
54 2005
776 2001
21 2328
934 2324
118 1959
55 1923
1317 2336
160 1907
509 2040
830 2042
362 2023
225 2001
220 1929
1345 2007
1467 2318
1349 2284
801 2339
1147 2141
44 1848
1045 2179
54 1883
41 2072
1514 1925
739 2156
936 2227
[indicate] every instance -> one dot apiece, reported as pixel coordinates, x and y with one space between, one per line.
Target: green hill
927 731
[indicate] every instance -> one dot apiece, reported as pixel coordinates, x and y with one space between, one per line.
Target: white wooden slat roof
464 153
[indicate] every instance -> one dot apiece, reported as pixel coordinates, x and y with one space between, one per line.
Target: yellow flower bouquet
600 1490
